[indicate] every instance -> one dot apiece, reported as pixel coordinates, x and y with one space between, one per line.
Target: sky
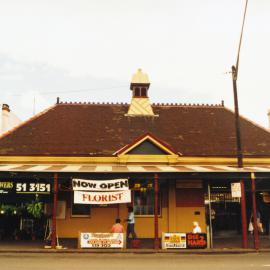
87 50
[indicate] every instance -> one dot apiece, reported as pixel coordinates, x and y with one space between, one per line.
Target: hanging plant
35 208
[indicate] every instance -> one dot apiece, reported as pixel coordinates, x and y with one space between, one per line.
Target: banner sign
100 185
101 240
236 190
82 197
196 240
174 240
8 187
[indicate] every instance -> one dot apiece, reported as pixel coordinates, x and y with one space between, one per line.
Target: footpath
221 246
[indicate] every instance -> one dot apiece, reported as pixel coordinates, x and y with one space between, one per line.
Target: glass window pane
144 201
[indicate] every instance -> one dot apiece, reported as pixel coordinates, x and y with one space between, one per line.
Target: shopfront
182 198
21 207
179 159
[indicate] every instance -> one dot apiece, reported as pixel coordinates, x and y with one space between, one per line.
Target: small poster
236 190
101 240
173 240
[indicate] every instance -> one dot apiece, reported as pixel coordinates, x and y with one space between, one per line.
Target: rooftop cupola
140 103
140 84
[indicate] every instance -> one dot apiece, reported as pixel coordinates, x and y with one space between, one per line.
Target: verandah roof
105 168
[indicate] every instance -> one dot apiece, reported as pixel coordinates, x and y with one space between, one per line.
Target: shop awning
104 168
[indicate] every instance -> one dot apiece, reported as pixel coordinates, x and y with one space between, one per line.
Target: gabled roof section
147 144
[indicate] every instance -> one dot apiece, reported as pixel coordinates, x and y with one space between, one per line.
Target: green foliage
7 209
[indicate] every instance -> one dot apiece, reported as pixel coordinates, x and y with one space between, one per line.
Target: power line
72 91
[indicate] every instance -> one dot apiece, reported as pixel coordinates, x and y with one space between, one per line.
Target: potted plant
35 209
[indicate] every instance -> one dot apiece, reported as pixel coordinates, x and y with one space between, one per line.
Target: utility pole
238 137
236 107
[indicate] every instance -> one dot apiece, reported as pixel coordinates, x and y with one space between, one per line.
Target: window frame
148 215
79 215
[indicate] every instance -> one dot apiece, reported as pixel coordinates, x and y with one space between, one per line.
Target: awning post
55 190
156 239
244 215
254 211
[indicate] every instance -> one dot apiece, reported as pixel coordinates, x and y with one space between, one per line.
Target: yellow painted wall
185 216
102 219
172 219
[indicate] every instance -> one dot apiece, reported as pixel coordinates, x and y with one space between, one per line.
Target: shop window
144 201
80 210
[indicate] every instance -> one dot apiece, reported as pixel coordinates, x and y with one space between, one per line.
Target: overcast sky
87 50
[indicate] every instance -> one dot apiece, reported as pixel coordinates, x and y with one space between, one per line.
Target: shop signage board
173 240
196 240
82 197
24 191
236 190
8 187
184 240
100 185
101 240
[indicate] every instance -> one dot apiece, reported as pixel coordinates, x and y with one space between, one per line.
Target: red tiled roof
102 129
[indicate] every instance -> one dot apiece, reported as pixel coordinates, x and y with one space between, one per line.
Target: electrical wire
71 91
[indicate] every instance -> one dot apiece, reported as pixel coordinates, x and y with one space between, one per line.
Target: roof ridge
91 103
189 104
27 121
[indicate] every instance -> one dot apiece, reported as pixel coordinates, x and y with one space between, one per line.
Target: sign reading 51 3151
43 188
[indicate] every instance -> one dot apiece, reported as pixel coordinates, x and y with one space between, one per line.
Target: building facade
174 156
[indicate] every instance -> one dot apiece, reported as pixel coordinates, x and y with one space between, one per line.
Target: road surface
133 261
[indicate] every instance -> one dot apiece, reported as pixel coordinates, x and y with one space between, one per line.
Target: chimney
5 118
5 107
140 103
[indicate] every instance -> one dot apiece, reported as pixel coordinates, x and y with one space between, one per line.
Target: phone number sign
10 187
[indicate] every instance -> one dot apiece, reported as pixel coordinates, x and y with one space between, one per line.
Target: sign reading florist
83 197
101 192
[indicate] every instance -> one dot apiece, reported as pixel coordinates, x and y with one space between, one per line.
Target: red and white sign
82 197
102 240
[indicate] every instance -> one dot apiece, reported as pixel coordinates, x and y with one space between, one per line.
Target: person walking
131 224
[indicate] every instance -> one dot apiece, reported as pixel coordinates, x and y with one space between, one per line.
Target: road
133 261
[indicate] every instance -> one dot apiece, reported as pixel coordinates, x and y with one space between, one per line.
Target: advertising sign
82 197
174 240
7 187
24 191
236 190
100 185
101 240
196 240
